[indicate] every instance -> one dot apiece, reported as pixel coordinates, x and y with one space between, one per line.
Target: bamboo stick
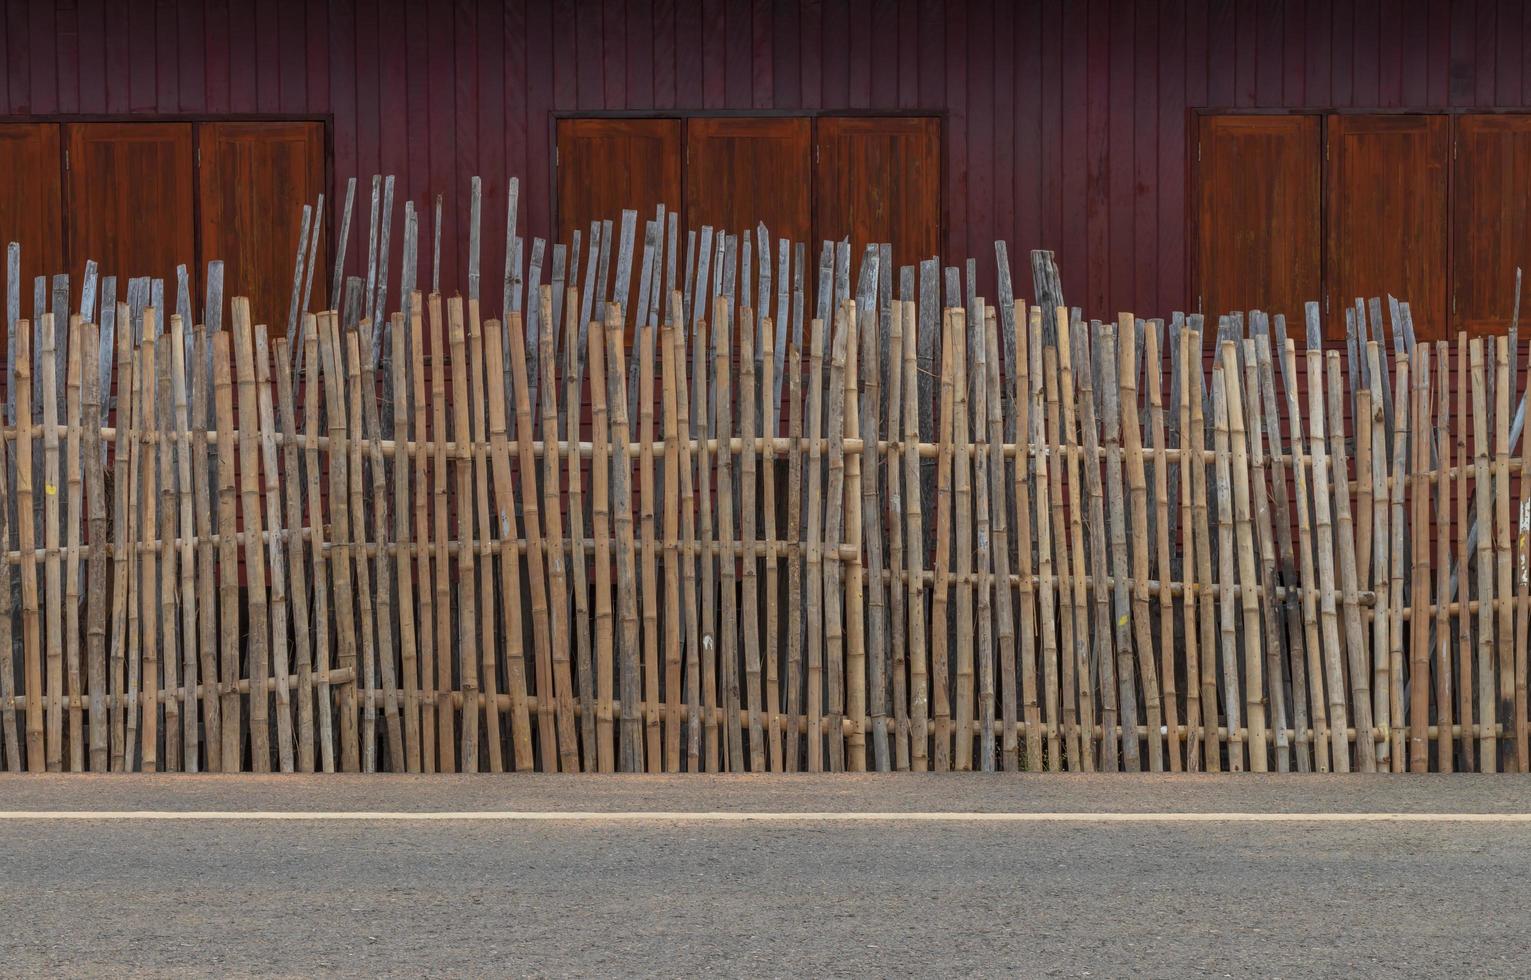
1465 687
1503 587
424 551
165 520
446 722
1191 557
1078 718
939 623
855 604
297 568
1110 362
600 466
919 698
1004 623
732 734
962 519
316 524
148 752
74 477
672 588
509 557
1103 671
1444 697
27 540
1419 667
699 410
749 535
352 750
1227 621
53 625
190 624
1137 486
693 635
902 606
273 519
815 549
1153 372
1323 525
648 544
770 414
1487 749
558 589
570 410
1309 578
371 431
467 592
627 576
96 570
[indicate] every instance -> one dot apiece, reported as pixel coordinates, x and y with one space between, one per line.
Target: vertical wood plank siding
1064 122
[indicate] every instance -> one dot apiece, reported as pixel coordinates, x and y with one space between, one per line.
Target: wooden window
1386 210
130 199
31 203
878 179
740 171
606 165
1259 213
253 181
1491 219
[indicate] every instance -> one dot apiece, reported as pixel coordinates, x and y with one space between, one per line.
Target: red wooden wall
1064 120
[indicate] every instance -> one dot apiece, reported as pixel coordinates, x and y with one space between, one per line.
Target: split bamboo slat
696 533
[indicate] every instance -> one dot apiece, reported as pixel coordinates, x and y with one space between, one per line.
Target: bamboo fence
713 528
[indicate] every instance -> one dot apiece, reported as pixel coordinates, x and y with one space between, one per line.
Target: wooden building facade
1175 154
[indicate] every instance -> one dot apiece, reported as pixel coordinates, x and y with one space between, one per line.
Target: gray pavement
805 897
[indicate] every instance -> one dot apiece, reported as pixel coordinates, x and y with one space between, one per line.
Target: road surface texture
1351 889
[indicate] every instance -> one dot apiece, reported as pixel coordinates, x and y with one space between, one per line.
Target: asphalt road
709 894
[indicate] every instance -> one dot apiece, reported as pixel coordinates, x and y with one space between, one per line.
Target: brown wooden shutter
741 171
606 165
1259 214
1491 219
130 199
31 203
1387 216
253 181
879 180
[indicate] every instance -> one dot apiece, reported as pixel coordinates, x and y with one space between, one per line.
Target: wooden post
750 580
600 515
321 560
266 430
733 734
297 566
558 589
1137 486
507 545
627 576
467 592
1323 525
351 749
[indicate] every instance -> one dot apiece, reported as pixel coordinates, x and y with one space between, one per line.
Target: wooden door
1258 214
1491 219
130 199
878 179
1386 206
608 165
741 171
31 204
253 180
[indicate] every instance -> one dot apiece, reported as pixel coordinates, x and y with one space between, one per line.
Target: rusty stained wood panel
31 203
1386 205
607 165
1491 219
1259 214
148 231
253 181
878 179
744 170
